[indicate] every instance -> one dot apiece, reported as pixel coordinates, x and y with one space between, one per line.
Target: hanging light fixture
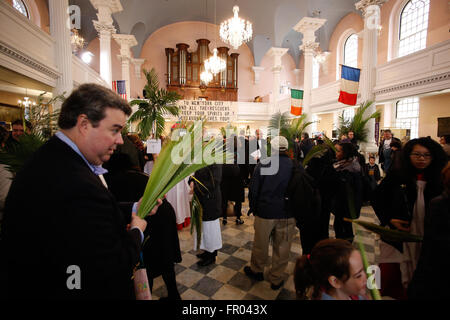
206 77
319 55
26 102
235 31
76 41
215 64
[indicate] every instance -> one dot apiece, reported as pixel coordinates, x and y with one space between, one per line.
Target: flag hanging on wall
349 85
120 88
296 102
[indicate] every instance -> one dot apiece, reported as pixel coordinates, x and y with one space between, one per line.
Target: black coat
210 199
429 280
162 247
59 214
232 185
380 149
267 192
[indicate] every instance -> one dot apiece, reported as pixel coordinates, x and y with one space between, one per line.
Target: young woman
333 271
402 202
348 190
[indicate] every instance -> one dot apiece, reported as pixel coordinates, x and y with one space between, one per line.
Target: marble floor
226 280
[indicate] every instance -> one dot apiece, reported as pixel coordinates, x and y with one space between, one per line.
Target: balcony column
59 16
105 29
276 53
125 41
371 13
308 26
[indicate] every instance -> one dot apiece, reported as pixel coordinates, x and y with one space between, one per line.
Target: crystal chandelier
76 41
26 102
215 64
236 31
206 77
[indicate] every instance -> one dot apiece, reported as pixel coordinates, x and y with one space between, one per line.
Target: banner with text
213 111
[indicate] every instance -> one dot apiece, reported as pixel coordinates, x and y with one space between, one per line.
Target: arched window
407 115
413 27
315 71
351 51
20 6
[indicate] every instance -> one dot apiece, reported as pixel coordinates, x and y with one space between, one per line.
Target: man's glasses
420 155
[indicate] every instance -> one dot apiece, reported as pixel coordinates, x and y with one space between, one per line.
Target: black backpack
303 197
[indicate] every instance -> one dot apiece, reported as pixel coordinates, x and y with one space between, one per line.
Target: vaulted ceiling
272 20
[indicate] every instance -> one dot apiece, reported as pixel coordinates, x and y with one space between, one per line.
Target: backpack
303 197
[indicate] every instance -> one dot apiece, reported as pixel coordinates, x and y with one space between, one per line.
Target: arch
340 49
394 27
22 7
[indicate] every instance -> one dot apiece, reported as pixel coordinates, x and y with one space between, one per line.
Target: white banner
213 111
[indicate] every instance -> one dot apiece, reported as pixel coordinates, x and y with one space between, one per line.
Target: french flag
349 85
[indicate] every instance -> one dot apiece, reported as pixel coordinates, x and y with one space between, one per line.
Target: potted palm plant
288 127
358 123
151 111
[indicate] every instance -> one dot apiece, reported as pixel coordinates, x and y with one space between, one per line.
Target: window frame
27 10
344 50
409 118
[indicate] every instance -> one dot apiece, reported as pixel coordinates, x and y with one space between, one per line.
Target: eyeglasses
419 155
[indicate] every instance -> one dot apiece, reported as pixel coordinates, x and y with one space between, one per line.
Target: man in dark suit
64 235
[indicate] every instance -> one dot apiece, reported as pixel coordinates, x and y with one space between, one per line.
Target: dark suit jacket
59 214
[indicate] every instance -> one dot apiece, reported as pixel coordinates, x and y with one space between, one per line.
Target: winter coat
211 198
347 182
267 192
232 185
429 280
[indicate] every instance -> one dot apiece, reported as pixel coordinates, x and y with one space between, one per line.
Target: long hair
329 257
439 159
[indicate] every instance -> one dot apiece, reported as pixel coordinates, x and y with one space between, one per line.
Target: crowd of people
84 186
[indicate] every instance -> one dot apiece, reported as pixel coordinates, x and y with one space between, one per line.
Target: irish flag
296 102
349 85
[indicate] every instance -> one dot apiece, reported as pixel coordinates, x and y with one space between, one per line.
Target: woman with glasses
402 202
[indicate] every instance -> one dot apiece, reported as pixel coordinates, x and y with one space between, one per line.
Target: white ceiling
272 20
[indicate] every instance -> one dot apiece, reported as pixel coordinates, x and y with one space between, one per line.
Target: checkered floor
226 280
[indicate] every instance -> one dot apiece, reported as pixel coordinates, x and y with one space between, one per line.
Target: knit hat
279 143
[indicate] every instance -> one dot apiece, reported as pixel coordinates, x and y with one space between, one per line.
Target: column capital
309 46
103 28
137 67
112 5
276 69
126 41
257 71
364 4
124 58
308 26
277 53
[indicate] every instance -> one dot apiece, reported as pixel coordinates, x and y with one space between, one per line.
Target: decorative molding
308 24
103 28
364 4
27 60
415 83
309 46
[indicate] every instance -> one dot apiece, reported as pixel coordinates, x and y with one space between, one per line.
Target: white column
137 67
105 29
297 73
308 26
257 71
125 41
371 12
276 53
59 16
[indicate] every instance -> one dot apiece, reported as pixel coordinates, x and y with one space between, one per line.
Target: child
334 271
373 172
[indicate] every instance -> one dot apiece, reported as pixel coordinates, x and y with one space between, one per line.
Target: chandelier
215 64
236 31
321 56
76 41
206 77
26 102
